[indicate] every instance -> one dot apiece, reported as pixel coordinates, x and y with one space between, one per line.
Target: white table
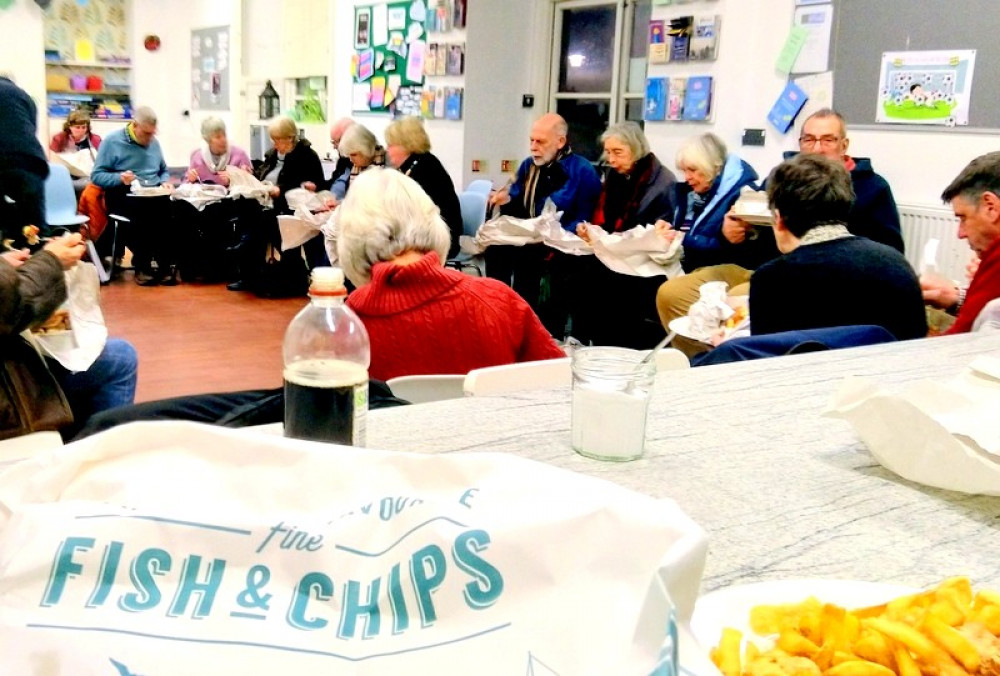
783 492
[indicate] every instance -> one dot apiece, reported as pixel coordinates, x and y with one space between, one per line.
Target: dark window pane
642 13
587 120
587 51
633 111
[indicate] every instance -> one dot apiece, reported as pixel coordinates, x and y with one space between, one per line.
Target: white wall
22 55
162 79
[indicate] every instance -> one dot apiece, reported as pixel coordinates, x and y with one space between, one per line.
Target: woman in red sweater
422 317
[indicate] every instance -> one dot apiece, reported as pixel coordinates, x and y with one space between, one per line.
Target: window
598 70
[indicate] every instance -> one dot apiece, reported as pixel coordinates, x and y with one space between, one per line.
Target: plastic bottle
326 353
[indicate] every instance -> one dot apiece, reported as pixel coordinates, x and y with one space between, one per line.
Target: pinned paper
377 95
397 44
418 11
415 64
380 30
797 37
366 64
359 96
396 18
787 107
414 31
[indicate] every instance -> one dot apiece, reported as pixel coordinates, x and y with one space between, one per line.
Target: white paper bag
945 435
244 184
80 163
199 195
78 348
640 252
172 548
511 231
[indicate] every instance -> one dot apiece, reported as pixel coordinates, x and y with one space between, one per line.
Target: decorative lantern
269 103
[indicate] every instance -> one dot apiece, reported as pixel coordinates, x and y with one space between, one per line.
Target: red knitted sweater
424 318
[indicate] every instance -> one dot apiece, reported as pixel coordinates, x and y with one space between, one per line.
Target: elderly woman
408 149
289 164
422 317
637 190
208 163
76 135
361 147
712 182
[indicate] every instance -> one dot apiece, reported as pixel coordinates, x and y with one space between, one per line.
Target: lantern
268 100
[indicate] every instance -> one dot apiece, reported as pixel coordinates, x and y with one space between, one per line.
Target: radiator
921 224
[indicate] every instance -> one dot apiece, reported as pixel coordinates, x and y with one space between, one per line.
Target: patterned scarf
531 180
825 233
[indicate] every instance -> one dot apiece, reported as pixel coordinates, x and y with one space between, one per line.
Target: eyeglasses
825 141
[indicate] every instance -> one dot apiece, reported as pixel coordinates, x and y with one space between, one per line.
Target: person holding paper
74 137
31 289
827 276
974 196
552 172
610 308
209 162
128 156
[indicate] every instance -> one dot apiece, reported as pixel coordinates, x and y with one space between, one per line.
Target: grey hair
283 127
631 135
386 214
705 152
358 139
211 126
144 115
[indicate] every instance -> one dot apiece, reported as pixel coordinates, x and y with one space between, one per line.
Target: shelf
88 92
90 64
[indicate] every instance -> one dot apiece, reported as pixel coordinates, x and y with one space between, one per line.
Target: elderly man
827 276
23 167
975 198
132 157
343 166
553 172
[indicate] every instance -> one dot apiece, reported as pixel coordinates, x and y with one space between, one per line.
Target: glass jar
611 392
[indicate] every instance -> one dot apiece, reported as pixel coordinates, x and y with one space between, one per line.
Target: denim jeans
109 382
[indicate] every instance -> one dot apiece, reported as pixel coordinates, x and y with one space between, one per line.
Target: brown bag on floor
30 398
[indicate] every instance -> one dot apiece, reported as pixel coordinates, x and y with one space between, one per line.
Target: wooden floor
195 338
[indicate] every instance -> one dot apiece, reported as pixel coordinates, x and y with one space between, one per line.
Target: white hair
384 215
211 126
144 115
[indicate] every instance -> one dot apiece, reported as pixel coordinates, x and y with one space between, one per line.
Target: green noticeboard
388 65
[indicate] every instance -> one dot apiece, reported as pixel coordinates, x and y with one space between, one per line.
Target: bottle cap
327 281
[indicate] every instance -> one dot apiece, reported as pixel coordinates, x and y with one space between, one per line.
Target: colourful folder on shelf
655 106
698 98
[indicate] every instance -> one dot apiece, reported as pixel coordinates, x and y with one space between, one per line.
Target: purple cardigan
237 158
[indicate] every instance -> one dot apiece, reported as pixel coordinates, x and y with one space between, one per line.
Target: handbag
284 275
30 398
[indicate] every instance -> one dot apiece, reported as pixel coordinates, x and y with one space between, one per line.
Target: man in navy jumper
132 156
874 213
553 172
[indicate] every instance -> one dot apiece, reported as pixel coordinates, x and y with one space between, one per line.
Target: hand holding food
735 229
665 230
945 631
68 249
192 175
128 177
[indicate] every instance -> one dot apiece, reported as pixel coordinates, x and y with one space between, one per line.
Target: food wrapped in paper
512 231
244 184
640 252
79 163
78 333
752 207
199 195
710 310
942 434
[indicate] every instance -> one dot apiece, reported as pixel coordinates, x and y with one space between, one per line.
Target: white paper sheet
380 25
815 54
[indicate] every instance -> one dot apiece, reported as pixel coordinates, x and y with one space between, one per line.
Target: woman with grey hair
208 163
638 190
421 317
359 145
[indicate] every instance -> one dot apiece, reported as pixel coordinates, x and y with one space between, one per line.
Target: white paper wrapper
79 163
79 347
945 435
199 195
511 231
244 184
640 252
311 215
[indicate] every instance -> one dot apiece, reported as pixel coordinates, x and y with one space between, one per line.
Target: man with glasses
132 157
874 213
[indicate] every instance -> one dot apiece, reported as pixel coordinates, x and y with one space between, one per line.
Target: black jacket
430 174
301 164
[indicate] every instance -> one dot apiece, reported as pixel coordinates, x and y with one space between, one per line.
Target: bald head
548 137
338 129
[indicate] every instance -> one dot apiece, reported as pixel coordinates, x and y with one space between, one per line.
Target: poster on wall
926 87
210 68
389 60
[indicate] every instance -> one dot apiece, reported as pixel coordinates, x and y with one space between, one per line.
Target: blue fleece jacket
704 243
118 153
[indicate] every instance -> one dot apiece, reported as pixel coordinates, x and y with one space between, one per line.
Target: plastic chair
793 342
988 318
424 388
60 199
481 186
522 377
473 216
671 359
